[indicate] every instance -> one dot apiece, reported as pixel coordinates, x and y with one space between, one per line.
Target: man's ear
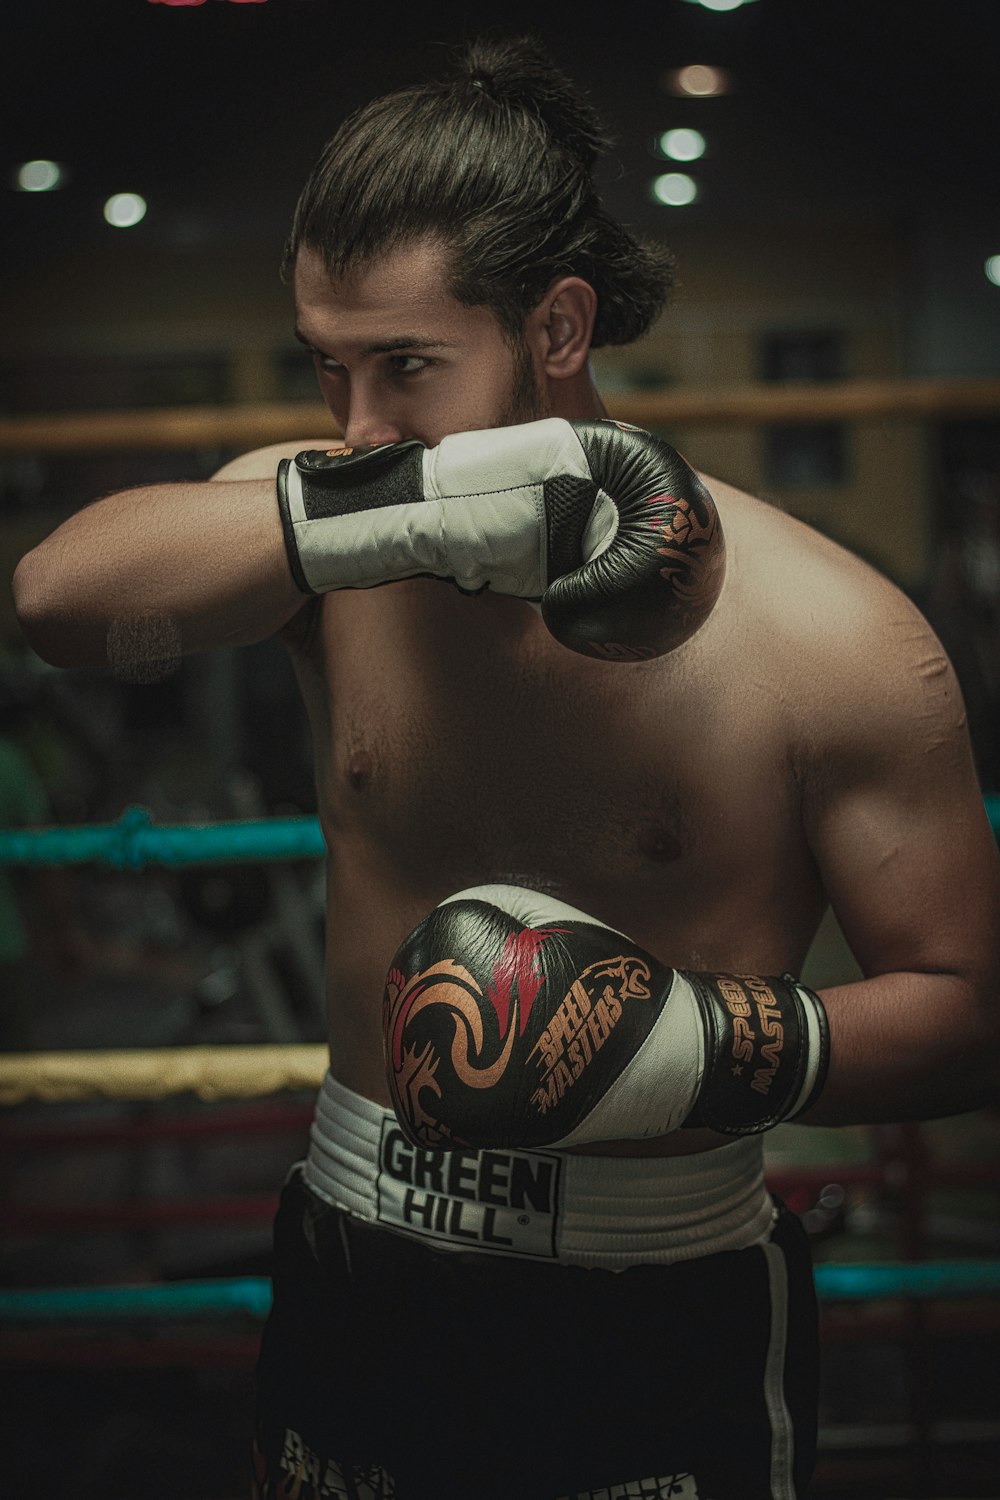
562 326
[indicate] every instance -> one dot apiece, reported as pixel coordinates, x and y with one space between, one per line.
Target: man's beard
525 400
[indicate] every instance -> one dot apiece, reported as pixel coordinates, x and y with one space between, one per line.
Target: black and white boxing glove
513 1020
605 525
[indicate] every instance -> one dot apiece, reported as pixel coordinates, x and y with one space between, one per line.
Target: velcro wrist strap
363 517
320 491
767 1051
290 508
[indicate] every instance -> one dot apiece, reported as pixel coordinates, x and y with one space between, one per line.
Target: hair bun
518 72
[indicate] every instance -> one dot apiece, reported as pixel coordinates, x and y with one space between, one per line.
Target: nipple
659 844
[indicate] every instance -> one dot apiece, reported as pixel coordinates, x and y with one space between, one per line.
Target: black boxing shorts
396 1362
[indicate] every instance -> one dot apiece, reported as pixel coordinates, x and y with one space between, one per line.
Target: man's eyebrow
387 346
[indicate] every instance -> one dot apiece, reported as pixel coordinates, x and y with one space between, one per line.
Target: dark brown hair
496 162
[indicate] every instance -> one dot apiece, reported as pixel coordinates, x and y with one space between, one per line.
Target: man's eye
327 365
409 364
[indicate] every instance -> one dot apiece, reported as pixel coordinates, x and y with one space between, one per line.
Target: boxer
531 1253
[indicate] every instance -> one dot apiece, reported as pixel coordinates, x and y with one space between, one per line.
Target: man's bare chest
455 736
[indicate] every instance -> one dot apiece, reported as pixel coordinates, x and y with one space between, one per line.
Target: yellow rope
208 1072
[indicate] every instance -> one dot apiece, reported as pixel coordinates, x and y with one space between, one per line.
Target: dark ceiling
214 112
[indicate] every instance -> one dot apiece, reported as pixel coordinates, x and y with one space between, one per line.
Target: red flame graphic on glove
517 975
450 989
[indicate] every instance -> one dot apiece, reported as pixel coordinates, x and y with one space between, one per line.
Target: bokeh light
697 81
682 144
675 189
39 176
720 4
125 210
992 269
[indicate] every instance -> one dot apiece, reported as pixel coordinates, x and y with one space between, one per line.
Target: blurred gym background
825 173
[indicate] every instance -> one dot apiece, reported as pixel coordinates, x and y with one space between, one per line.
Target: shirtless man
632 1314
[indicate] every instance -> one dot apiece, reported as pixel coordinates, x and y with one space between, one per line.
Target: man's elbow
31 604
52 628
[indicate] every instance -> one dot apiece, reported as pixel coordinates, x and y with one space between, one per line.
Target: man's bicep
899 831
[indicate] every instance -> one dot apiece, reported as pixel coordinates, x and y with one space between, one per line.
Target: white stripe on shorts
782 1436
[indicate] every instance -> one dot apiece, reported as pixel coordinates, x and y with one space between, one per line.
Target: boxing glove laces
513 1020
605 525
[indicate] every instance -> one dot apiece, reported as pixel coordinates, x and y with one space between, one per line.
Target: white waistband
544 1205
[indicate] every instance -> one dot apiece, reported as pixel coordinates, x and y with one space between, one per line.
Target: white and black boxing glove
605 525
513 1020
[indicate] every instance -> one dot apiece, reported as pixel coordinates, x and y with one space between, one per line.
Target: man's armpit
299 633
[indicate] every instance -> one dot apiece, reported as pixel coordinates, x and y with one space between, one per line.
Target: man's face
398 357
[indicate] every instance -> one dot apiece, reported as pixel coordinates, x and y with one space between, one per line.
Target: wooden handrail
251 426
829 401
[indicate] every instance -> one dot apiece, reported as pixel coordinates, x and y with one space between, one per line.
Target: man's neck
577 398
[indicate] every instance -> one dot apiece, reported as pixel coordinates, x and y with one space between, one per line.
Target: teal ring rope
135 841
250 1296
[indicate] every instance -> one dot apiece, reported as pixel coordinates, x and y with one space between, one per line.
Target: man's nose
369 424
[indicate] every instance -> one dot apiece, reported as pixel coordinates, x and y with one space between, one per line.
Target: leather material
498 1034
657 582
767 1053
513 1020
605 525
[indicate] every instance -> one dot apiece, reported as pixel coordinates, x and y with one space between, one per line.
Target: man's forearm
158 572
908 1047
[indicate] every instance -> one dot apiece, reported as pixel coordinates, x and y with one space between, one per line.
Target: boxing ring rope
132 1075
134 841
249 426
250 1296
83 1135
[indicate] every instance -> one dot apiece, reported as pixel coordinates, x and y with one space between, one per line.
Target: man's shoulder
261 463
851 650
799 583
